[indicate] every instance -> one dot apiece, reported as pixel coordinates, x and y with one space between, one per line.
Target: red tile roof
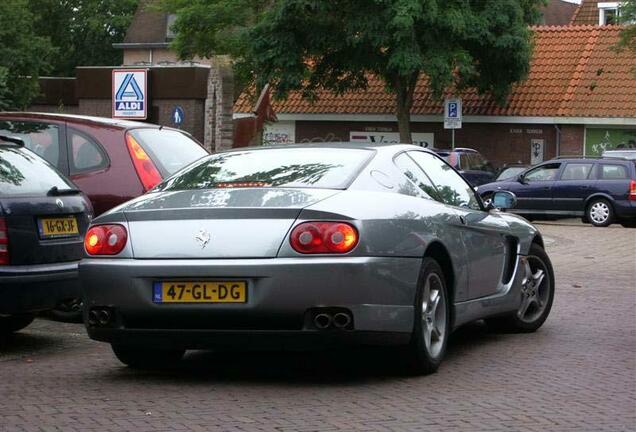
574 73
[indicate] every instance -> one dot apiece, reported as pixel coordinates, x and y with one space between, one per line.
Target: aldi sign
130 94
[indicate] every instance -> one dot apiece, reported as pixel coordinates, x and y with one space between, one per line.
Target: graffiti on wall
279 133
599 140
418 138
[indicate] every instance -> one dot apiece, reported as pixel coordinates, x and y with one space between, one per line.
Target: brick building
594 12
579 98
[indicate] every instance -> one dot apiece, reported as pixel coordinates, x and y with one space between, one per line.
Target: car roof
337 145
74 118
620 150
587 159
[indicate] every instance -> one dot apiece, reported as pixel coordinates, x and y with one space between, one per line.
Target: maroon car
111 161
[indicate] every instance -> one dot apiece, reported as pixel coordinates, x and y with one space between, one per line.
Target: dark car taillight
105 240
4 242
632 190
146 169
324 238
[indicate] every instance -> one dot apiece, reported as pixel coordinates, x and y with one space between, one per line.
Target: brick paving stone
578 373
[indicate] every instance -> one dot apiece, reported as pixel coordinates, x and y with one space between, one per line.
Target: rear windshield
170 150
24 173
328 168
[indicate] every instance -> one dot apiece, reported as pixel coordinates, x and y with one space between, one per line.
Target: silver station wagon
310 245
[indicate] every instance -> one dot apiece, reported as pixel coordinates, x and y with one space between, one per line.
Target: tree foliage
310 45
23 55
206 28
628 16
83 31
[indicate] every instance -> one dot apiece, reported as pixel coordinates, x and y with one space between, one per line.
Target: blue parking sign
452 110
453 113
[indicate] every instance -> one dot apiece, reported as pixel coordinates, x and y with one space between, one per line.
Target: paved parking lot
577 373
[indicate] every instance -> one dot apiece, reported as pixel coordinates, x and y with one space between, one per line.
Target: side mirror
520 179
504 200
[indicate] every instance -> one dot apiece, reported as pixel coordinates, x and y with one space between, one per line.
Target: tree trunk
404 89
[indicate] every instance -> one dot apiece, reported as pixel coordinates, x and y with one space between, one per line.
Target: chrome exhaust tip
93 318
103 317
341 320
322 321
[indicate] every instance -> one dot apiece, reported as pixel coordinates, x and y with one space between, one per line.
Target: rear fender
598 195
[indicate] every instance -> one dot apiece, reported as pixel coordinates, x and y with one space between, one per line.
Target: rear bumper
252 340
283 293
37 288
625 209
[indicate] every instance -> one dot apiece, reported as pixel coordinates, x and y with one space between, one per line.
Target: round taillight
105 240
324 237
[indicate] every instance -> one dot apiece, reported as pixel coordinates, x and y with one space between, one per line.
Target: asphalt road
578 373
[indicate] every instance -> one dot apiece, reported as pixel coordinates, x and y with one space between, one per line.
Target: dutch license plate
58 227
200 292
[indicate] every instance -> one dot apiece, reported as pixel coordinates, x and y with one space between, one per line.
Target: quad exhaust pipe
341 320
100 317
326 320
323 321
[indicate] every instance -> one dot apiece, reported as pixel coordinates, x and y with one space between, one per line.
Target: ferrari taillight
324 238
105 240
146 169
4 242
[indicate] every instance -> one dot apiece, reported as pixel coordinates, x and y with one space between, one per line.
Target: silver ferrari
310 245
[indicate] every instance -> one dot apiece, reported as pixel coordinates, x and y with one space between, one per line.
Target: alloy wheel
433 315
535 290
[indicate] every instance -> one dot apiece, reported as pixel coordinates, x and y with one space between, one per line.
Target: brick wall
219 126
500 143
193 109
60 109
572 138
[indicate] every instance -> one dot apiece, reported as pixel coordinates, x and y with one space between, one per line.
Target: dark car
43 218
470 164
511 171
602 191
111 161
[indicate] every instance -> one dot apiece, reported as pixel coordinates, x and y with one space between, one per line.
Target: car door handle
462 219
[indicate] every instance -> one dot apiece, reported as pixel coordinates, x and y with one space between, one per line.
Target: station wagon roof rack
5 139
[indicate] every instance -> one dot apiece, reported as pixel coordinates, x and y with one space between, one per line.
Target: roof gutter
558 139
418 118
141 45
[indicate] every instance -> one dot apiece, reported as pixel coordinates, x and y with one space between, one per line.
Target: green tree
206 28
628 16
83 31
309 45
23 55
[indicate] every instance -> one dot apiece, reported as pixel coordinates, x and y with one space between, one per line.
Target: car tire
536 296
599 212
147 358
431 327
15 323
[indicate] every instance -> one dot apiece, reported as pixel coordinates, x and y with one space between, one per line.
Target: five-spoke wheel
536 294
432 323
